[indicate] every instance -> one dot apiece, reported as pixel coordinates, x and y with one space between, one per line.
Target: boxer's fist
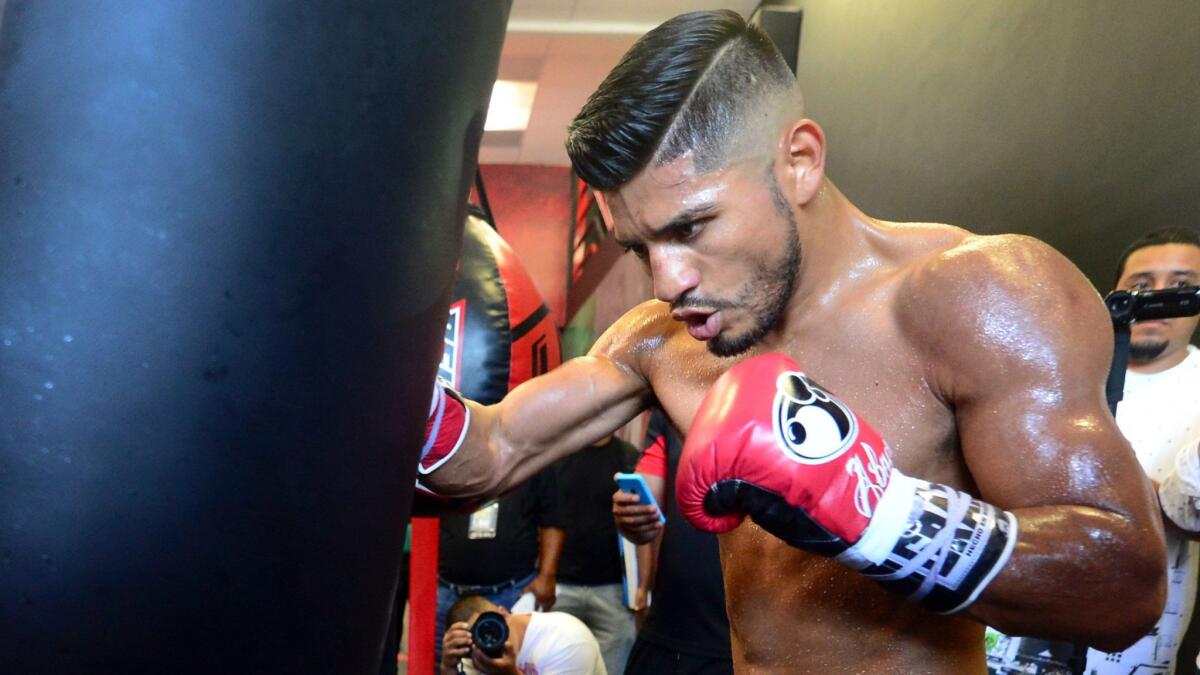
769 443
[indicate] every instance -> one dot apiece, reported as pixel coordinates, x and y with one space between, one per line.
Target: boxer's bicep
1022 353
1020 350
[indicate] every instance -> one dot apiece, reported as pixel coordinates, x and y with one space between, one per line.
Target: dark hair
686 85
466 606
1167 235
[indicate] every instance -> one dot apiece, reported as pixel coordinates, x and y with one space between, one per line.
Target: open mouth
701 325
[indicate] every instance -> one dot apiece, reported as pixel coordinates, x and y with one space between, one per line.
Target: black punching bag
228 233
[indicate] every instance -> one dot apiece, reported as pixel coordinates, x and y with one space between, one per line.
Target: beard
1141 353
767 293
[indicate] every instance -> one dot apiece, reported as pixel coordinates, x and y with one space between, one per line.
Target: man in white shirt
551 643
1160 415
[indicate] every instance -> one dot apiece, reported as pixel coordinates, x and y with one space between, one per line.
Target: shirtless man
980 360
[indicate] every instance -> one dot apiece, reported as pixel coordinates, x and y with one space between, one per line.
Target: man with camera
484 637
1160 415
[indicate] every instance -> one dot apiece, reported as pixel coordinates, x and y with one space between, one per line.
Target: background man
590 568
685 630
551 643
981 360
508 547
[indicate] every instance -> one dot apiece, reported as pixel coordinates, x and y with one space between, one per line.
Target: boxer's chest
860 356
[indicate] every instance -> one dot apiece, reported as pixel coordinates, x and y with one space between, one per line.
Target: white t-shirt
1160 415
557 643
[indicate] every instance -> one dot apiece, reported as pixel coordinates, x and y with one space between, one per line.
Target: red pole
422 596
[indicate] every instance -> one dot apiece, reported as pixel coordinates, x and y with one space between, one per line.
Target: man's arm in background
1179 492
544 585
550 515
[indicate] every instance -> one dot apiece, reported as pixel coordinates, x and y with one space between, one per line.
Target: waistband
461 589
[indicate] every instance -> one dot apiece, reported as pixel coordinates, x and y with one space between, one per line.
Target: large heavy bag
228 233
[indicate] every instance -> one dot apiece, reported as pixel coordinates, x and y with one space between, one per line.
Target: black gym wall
1076 122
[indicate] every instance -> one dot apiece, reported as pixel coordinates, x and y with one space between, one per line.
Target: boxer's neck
840 247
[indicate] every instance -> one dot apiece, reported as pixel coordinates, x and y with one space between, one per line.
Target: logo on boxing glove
811 427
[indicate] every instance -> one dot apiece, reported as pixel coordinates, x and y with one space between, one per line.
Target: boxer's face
1153 268
721 247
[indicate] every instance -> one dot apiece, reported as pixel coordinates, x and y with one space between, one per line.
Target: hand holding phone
634 483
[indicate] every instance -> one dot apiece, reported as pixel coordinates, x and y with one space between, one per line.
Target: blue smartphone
634 483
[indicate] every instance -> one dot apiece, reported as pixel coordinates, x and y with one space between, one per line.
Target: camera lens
490 632
1120 306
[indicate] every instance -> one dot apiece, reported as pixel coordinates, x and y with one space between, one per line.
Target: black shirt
513 552
590 554
687 611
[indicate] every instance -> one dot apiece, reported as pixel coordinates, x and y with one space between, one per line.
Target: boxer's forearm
1079 574
538 423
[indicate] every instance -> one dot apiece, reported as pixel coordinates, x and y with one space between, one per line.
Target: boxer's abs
793 612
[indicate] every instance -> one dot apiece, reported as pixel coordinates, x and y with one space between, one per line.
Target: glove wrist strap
936 545
445 428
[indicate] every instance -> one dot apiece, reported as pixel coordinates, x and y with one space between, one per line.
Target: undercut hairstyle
699 82
1167 235
466 606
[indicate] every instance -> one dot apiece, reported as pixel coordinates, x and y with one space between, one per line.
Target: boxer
912 416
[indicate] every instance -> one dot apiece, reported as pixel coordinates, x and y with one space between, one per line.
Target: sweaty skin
980 359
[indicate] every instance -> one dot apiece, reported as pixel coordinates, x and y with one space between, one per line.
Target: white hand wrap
938 546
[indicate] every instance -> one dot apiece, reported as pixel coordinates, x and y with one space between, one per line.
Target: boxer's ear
802 152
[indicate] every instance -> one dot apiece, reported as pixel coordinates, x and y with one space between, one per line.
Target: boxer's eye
688 231
637 249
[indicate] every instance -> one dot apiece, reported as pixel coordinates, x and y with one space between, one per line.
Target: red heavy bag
499 332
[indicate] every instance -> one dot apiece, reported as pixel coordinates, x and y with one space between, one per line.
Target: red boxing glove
769 443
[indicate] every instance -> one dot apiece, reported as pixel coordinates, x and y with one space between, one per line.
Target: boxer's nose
672 272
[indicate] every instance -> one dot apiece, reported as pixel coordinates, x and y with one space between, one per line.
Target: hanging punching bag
499 332
228 233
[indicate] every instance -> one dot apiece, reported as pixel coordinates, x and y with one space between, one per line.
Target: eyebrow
684 217
1150 273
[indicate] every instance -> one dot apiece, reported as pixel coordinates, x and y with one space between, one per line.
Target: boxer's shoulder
636 338
980 271
999 255
989 302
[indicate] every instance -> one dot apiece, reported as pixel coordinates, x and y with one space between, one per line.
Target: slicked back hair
1167 235
693 83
